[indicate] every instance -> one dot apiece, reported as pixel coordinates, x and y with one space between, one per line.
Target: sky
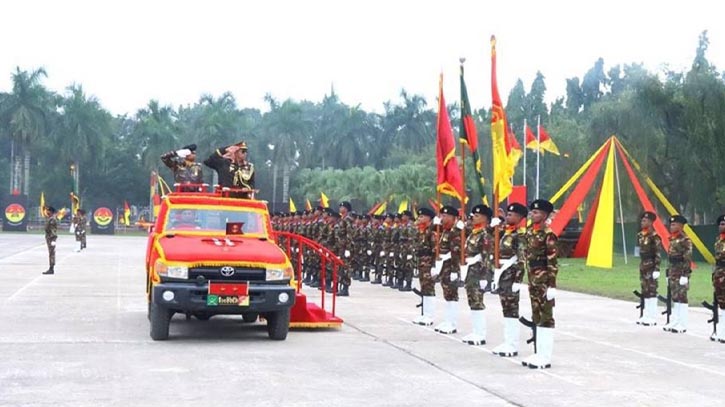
126 53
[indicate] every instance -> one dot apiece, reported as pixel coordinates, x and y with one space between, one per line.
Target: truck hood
200 249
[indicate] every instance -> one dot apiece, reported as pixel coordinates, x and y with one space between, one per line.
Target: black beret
483 210
426 212
320 208
50 209
300 213
327 211
720 219
390 215
346 204
379 217
191 147
449 210
542 205
335 215
649 215
678 219
407 213
518 208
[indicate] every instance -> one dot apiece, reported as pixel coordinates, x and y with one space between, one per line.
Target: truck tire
278 325
250 317
160 318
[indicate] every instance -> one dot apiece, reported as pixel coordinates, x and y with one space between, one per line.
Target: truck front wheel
278 324
160 318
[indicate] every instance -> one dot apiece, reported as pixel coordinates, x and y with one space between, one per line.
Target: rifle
419 294
668 302
531 325
641 302
715 318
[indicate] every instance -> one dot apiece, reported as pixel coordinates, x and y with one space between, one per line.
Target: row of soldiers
376 248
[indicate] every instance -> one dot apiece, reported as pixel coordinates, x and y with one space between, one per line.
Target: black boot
365 276
399 284
378 279
407 286
344 291
50 270
328 286
315 282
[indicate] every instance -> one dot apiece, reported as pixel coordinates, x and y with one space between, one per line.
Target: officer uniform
718 277
650 245
51 236
679 257
479 245
232 173
185 171
541 257
425 242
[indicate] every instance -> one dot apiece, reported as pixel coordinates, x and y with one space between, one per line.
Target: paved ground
80 338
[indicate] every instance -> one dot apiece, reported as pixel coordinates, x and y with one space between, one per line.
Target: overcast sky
128 52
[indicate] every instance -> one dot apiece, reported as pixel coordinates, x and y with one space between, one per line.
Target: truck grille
217 273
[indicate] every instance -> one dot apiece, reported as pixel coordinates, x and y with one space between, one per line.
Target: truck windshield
214 220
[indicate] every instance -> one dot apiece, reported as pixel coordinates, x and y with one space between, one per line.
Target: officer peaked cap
678 219
483 210
242 145
426 212
649 215
542 205
449 210
191 147
518 208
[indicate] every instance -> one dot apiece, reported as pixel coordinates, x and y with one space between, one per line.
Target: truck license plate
227 294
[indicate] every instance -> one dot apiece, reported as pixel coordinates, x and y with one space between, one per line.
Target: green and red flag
468 135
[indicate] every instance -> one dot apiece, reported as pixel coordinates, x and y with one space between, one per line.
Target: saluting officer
233 168
183 163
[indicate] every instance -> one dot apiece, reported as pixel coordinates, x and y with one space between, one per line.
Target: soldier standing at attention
51 235
679 257
425 250
233 169
79 224
718 277
183 163
479 246
344 246
507 280
448 266
541 256
650 245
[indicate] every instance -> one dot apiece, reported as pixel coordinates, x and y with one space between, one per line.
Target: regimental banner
15 213
102 221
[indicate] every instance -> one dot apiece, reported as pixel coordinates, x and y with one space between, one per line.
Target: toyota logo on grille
227 271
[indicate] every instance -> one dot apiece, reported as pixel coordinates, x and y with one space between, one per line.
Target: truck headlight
279 274
165 270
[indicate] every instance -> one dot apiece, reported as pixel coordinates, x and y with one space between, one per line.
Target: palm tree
156 133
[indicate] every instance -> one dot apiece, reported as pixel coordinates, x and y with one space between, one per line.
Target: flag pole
538 152
524 148
462 213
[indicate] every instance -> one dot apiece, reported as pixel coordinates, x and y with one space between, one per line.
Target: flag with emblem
450 181
503 170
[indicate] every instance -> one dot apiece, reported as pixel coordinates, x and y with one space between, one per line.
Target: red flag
546 142
531 139
516 151
450 181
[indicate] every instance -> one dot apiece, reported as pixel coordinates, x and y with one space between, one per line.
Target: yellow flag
324 201
381 209
403 206
503 169
42 204
292 207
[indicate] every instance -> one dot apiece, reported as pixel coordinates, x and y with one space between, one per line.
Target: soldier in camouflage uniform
79 225
718 278
186 170
424 245
327 239
315 262
51 236
508 278
679 257
541 257
407 261
344 247
381 244
389 238
650 245
479 245
448 266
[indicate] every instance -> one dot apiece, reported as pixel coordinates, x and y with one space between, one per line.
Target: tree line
672 123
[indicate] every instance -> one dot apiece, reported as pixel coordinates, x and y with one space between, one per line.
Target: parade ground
81 338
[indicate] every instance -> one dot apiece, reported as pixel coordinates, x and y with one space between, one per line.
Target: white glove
408 257
460 225
655 274
439 265
446 256
483 284
473 260
52 243
454 276
434 271
464 271
495 222
684 280
370 252
382 253
347 253
183 152
550 293
391 254
436 221
516 287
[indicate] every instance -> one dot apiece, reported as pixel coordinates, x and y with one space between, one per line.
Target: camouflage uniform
79 224
511 245
343 241
541 255
650 245
479 241
450 242
51 236
185 172
718 273
424 248
679 257
407 236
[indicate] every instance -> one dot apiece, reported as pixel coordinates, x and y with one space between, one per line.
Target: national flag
531 142
450 181
292 206
516 151
546 142
503 170
126 214
468 132
324 201
308 205
42 204
403 206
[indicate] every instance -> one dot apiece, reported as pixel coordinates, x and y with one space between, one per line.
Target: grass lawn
621 279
